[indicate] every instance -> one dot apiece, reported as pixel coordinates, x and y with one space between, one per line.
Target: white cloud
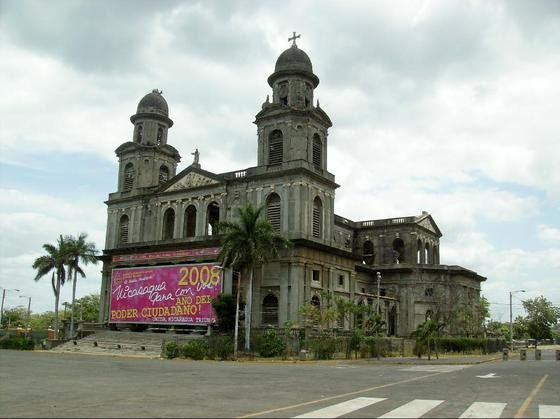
548 233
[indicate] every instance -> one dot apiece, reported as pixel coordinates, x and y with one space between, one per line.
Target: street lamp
28 310
511 319
4 296
378 283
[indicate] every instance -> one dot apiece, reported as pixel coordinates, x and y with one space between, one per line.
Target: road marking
484 410
413 409
521 412
435 368
338 396
490 375
343 408
549 411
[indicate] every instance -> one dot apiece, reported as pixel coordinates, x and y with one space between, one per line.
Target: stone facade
155 210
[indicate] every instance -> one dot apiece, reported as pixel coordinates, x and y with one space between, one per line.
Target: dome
293 59
153 103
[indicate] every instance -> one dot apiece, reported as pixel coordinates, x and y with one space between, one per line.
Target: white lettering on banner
153 291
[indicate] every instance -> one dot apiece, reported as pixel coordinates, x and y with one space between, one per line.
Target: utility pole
378 290
511 319
3 297
28 310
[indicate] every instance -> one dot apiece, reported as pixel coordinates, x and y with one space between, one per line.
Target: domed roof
153 103
293 59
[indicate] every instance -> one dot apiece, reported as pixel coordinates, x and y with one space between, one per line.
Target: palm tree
54 261
78 250
247 243
428 331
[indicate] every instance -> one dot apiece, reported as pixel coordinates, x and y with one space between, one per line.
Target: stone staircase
138 344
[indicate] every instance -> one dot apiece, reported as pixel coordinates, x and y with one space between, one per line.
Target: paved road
69 385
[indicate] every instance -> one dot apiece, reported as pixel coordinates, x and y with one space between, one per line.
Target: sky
449 107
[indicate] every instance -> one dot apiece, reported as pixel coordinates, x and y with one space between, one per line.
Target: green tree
428 332
250 242
520 328
496 329
42 321
15 316
53 262
79 250
88 307
541 316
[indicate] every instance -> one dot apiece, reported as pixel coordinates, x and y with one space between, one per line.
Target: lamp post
378 284
2 306
28 310
511 319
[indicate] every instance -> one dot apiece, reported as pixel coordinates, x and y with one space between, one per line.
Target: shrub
355 343
323 347
220 346
271 344
376 346
224 306
196 349
21 343
170 349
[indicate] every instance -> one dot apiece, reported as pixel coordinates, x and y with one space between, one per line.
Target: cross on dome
293 39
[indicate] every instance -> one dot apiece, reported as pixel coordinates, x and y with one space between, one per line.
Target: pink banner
177 294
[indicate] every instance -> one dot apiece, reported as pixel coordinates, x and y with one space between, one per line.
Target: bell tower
147 161
291 128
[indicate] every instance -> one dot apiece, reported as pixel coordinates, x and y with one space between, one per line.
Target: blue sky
449 107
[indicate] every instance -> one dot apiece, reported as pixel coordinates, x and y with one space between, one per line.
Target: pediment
426 223
191 180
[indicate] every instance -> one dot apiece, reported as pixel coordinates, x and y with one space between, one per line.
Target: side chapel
160 217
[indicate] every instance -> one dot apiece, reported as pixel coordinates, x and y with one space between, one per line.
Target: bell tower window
128 177
273 211
317 146
275 147
317 218
163 174
123 229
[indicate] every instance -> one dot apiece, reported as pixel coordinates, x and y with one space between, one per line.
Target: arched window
270 310
317 217
212 218
368 253
317 150
168 224
427 254
189 225
398 251
435 251
128 177
273 211
275 147
123 229
419 251
139 133
163 174
283 93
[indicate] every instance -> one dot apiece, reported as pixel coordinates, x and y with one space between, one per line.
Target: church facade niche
189 224
129 174
399 250
212 218
168 224
368 254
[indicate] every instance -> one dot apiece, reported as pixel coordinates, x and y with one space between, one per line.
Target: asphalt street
42 384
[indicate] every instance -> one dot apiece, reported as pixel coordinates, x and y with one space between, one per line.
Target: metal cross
293 39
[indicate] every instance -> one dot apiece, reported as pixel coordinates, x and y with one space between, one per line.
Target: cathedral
160 218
